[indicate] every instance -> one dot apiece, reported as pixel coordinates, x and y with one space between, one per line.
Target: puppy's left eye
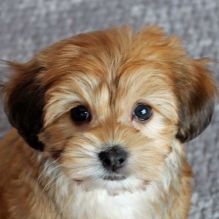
142 112
80 114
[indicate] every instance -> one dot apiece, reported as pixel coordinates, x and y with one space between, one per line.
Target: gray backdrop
26 26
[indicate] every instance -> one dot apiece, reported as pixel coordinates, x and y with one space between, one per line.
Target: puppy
99 125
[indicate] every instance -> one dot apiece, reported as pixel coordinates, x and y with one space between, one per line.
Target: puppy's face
107 106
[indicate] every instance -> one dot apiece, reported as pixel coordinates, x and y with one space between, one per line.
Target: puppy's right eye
80 114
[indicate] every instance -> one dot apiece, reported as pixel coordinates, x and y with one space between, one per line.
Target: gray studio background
26 26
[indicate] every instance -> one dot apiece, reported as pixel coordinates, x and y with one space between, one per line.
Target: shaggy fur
49 166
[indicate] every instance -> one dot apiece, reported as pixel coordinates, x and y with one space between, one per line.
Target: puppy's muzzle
114 158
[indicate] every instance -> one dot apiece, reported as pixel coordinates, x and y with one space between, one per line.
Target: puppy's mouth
114 177
106 178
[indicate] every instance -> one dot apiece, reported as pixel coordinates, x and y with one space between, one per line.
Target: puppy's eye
80 114
142 112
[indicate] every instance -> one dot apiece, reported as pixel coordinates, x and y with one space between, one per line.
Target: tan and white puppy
99 125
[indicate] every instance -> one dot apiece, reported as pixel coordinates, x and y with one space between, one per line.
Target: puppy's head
109 105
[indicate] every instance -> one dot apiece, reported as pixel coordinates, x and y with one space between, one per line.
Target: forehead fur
104 53
92 66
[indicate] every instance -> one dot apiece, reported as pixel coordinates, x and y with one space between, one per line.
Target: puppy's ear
196 92
24 101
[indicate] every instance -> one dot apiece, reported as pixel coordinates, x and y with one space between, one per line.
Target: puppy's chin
113 186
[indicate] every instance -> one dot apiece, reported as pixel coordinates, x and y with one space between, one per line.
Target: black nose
113 158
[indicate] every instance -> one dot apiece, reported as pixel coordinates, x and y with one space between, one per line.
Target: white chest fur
98 204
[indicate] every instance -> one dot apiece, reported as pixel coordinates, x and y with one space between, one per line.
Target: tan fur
109 72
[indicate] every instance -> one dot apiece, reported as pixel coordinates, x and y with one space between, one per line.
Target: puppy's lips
78 180
105 178
114 177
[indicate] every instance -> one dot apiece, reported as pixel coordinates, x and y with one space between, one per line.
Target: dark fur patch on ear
194 121
25 102
196 95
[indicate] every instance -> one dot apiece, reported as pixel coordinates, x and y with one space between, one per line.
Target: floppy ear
196 92
24 101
